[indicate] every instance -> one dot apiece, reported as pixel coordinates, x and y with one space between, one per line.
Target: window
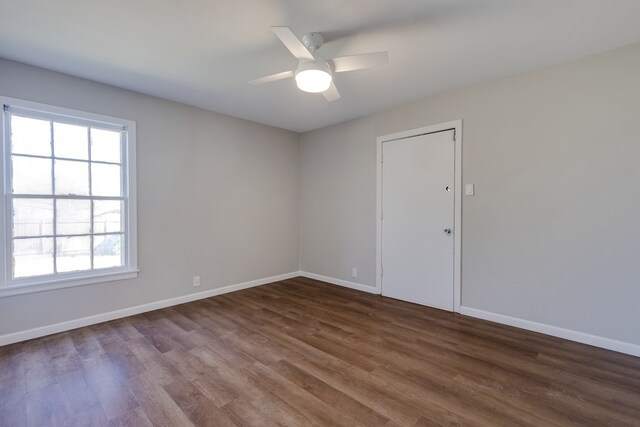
69 195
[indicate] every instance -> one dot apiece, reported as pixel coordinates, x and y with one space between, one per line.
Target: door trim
456 126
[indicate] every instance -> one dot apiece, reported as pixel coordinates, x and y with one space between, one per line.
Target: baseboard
339 282
597 341
581 337
130 311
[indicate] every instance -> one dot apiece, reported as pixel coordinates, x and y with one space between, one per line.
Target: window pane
72 178
108 251
107 216
73 253
70 141
30 136
32 217
105 145
106 180
32 257
73 216
31 175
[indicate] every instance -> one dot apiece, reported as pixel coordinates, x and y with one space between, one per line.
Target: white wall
553 232
217 197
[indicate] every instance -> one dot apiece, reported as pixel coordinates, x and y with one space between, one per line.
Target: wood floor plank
156 403
206 379
13 406
302 352
110 385
78 396
242 413
46 406
340 402
132 418
200 410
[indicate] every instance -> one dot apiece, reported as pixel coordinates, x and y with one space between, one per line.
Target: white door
418 218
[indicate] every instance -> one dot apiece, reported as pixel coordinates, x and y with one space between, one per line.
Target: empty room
339 212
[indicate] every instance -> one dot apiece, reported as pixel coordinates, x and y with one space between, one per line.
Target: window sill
62 283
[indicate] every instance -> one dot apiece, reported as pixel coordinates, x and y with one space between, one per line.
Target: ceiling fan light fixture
315 74
313 81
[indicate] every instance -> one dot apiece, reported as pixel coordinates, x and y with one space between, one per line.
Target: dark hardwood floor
301 352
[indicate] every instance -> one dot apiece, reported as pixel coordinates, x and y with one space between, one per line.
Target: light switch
469 190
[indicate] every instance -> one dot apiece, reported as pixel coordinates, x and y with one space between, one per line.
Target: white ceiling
202 52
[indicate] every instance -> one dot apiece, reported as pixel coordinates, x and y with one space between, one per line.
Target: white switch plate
469 190
354 272
196 281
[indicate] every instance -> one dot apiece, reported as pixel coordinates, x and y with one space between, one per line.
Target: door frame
456 126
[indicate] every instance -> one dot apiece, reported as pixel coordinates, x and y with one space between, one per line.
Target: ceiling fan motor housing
313 41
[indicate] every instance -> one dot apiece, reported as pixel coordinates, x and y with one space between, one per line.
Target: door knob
447 231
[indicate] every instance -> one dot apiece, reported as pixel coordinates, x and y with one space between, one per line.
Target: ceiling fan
315 74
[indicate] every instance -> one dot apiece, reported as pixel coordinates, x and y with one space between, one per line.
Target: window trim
10 286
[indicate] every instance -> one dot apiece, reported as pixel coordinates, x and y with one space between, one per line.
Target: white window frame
10 286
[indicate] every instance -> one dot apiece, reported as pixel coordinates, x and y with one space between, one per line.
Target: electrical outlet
196 281
354 272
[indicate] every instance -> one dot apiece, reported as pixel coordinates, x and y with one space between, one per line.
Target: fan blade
332 93
291 42
359 62
272 78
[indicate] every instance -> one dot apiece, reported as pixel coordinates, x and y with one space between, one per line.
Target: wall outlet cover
469 189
